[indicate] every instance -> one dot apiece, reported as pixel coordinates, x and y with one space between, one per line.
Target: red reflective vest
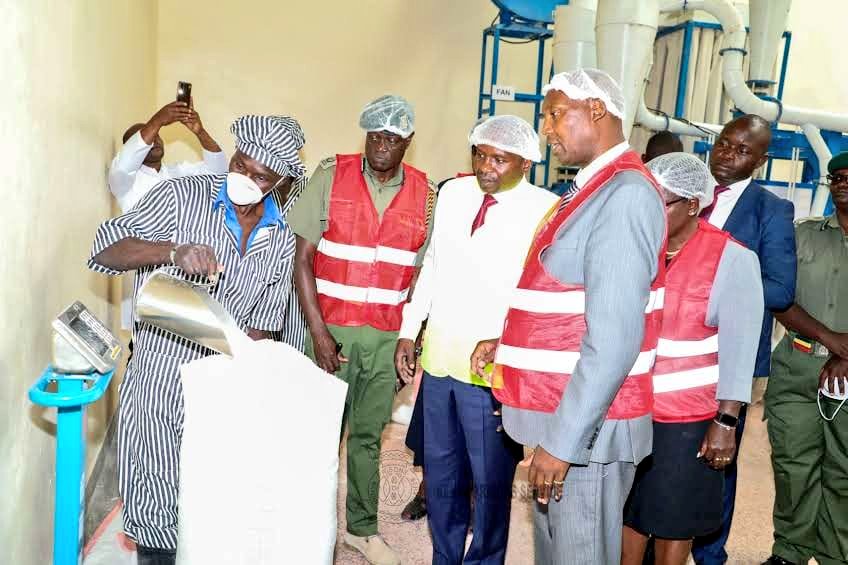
364 265
544 327
686 371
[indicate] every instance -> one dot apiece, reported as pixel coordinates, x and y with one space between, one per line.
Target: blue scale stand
74 392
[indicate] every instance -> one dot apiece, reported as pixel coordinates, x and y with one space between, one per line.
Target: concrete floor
750 540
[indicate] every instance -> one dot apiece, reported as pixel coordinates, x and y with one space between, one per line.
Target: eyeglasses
837 179
390 141
669 204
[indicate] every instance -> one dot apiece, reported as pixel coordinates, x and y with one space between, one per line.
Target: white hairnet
510 134
582 84
684 175
388 113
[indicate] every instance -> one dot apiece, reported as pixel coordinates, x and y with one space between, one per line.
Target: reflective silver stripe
361 293
568 302
396 256
678 348
558 361
364 254
682 380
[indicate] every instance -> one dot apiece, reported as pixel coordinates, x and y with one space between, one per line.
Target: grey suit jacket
610 248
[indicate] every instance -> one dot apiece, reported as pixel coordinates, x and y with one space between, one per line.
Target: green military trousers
810 461
371 377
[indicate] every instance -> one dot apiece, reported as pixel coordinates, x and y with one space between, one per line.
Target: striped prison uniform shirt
294 324
254 289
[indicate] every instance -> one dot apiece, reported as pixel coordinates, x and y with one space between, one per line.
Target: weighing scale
84 357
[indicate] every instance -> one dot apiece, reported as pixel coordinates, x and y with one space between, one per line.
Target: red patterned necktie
708 211
480 218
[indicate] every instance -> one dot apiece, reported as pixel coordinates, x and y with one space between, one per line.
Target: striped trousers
150 428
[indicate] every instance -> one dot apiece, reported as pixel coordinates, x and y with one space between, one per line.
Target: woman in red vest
705 358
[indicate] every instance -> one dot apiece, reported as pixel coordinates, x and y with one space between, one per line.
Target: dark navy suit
763 222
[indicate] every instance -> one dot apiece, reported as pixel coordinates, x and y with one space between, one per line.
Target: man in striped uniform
574 361
361 227
229 225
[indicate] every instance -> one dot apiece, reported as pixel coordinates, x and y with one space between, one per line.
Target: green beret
838 162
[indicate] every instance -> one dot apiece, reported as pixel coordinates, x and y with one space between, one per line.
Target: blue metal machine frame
509 27
70 400
783 141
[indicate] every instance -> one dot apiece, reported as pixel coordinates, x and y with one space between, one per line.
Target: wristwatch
726 420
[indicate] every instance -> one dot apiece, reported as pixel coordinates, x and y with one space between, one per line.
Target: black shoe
155 556
416 509
777 560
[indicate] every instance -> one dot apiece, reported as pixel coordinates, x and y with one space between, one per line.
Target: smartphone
184 92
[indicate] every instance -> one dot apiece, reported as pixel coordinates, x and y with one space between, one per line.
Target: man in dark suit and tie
763 222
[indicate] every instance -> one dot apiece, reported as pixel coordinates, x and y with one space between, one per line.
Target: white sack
259 458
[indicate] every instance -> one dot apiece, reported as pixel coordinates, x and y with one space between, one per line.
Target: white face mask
242 190
835 395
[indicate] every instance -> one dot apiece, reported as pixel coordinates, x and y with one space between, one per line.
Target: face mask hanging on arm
835 395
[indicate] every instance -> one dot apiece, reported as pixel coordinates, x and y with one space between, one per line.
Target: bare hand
834 373
257 335
547 475
193 122
718 447
197 259
170 113
405 360
326 356
483 355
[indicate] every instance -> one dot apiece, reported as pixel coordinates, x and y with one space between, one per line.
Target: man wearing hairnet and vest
574 361
362 224
484 226
229 225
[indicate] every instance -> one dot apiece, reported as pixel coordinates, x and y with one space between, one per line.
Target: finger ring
559 483
548 483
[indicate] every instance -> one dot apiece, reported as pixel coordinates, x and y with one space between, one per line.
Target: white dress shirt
130 179
727 201
466 281
601 161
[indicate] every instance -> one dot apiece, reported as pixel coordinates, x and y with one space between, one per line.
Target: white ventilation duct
732 75
767 22
824 155
624 36
574 35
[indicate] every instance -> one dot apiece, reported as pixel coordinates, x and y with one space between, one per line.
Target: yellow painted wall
78 72
74 73
323 61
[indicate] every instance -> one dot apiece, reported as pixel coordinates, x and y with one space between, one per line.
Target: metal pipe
734 79
624 38
683 82
574 36
820 148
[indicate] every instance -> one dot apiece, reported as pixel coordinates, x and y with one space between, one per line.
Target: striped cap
273 141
